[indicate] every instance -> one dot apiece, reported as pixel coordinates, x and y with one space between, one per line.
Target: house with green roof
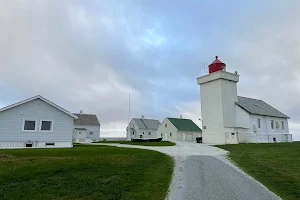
179 129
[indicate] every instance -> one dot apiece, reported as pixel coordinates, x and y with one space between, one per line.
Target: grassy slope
162 143
277 166
84 172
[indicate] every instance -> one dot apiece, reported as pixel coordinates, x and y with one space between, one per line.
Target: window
258 123
143 133
232 133
29 145
132 133
161 134
79 132
50 144
149 133
29 125
170 134
166 125
277 125
141 136
272 124
91 133
46 125
282 125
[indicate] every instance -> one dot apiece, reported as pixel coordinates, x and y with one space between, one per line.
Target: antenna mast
129 108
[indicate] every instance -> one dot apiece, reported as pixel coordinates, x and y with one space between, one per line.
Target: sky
88 55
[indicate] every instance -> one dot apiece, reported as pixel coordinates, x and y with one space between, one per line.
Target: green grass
277 166
84 172
162 143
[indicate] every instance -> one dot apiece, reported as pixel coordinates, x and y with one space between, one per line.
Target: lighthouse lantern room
216 65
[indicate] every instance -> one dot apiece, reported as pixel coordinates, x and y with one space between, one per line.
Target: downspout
267 129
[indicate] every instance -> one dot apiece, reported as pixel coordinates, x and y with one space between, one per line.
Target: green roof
184 124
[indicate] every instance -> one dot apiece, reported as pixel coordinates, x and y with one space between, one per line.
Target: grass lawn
84 172
162 143
277 166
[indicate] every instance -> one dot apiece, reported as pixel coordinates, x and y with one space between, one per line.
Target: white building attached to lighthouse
230 119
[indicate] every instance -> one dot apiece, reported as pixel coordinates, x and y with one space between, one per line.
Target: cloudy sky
88 55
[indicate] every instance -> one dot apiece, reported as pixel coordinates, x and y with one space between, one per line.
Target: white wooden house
178 129
139 128
86 127
35 122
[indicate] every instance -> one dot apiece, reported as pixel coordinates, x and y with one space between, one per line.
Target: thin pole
129 109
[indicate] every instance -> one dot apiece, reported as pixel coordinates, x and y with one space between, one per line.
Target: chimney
81 112
143 117
180 116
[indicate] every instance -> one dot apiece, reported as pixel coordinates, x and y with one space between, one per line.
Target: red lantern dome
217 65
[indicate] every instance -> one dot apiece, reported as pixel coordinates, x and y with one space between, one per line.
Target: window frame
258 123
91 132
166 125
272 124
149 133
51 130
170 134
35 127
282 125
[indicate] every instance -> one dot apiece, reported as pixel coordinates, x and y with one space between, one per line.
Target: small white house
139 128
35 122
230 119
178 129
86 126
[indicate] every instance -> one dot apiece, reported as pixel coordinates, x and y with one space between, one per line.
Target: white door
166 136
231 138
188 137
81 134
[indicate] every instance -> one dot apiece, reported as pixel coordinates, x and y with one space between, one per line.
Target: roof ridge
145 119
250 98
144 123
179 118
82 114
41 98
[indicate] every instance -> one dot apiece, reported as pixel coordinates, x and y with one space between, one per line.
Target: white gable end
38 111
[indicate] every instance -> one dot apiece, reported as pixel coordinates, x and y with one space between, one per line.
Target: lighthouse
218 96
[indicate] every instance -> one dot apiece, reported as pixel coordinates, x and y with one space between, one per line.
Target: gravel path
203 172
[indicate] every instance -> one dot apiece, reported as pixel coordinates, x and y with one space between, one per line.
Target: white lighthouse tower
218 91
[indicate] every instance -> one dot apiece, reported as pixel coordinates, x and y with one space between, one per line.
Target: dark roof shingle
86 119
147 123
259 107
184 124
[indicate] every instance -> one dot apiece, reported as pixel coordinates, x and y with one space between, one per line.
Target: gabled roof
259 107
86 119
147 123
184 124
41 98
